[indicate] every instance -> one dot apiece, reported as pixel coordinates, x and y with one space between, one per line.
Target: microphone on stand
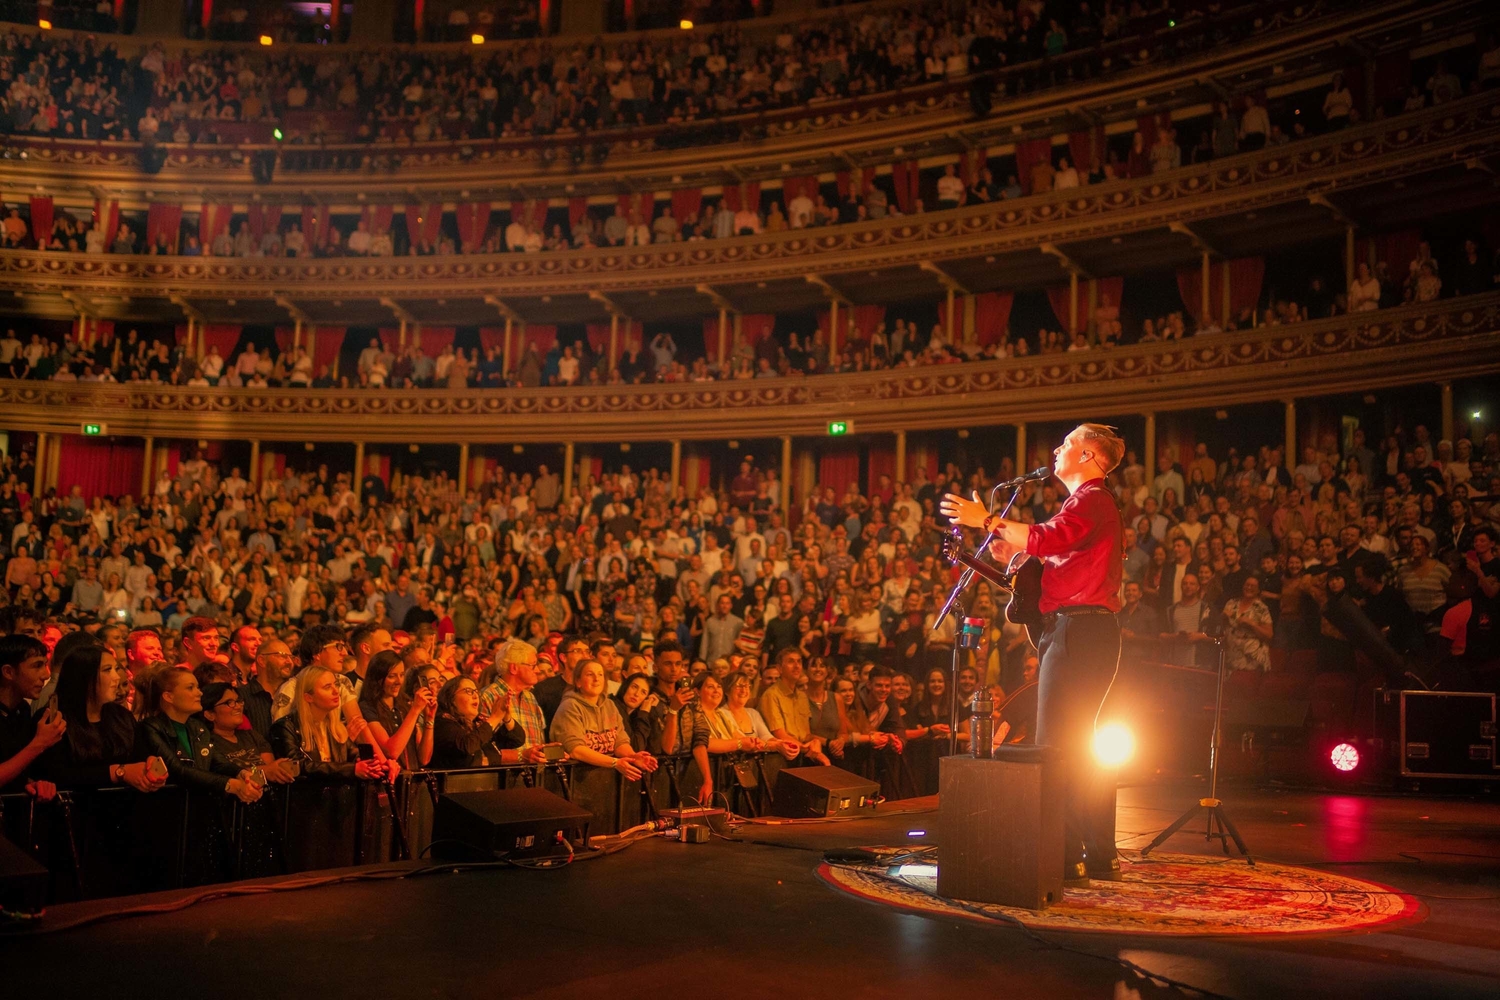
1034 476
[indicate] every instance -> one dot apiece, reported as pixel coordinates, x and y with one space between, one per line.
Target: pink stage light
1344 757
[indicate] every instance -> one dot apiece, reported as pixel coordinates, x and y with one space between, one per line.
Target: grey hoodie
579 722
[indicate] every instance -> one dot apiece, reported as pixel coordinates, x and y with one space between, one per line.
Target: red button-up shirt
1081 548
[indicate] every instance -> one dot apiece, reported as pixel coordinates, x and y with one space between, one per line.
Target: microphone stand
953 605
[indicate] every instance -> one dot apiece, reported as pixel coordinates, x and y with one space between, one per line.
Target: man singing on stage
1079 646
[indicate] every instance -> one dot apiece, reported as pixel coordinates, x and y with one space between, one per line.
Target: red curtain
423 222
1246 276
1028 155
859 180
1397 249
223 336
882 463
492 336
315 221
108 214
1058 297
473 219
686 202
163 220
838 468
644 203
435 338
213 220
284 336
1082 147
577 209
41 220
542 336
597 335
102 468
793 186
908 181
755 327
1146 126
537 219
992 315
739 195
267 218
327 342
390 339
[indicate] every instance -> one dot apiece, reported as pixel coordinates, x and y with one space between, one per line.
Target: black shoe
1109 870
1075 876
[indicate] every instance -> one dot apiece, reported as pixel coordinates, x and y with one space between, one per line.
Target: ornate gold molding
1404 146
1446 339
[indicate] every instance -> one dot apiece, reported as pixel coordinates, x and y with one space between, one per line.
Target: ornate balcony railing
1402 346
1378 151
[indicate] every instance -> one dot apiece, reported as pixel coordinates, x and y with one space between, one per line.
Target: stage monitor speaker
1447 734
23 882
803 792
505 822
1000 828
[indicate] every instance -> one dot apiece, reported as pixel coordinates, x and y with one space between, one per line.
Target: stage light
44 24
685 24
1114 744
916 833
266 39
476 39
1344 757
1477 415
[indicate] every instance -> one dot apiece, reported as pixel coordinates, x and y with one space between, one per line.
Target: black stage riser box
808 792
1000 828
1447 734
510 821
23 882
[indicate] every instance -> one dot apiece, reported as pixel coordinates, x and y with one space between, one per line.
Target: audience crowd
222 634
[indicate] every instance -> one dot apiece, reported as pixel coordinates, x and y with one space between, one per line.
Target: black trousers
1077 656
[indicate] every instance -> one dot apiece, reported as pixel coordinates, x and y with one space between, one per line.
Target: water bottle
981 725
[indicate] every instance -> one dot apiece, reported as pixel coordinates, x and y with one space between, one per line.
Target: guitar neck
984 571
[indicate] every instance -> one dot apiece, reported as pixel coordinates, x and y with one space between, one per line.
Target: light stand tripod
1219 827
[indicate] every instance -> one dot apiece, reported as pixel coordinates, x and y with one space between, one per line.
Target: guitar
1024 585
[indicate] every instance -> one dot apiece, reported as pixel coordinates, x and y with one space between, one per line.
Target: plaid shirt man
523 708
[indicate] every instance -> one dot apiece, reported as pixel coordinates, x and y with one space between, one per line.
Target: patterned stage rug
1169 894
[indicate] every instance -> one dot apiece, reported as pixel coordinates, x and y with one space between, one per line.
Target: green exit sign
93 430
838 427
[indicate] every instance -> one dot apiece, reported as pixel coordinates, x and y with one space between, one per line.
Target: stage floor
753 919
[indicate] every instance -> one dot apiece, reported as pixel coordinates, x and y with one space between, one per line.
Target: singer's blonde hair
1108 447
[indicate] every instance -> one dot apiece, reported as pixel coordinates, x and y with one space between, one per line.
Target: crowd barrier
113 841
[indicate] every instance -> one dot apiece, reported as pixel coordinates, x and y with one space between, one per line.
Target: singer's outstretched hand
961 510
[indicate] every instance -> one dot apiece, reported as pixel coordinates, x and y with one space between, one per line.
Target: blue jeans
1077 658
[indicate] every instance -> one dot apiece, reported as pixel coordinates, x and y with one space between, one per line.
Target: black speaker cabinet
23 882
510 821
803 792
1000 828
1447 734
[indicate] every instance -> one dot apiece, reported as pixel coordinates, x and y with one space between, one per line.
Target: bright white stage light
1114 744
1344 757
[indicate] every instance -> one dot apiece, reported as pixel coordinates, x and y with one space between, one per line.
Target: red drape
473 218
1246 275
492 336
908 182
597 335
686 202
838 467
882 463
315 221
223 336
41 219
1397 249
991 315
1057 295
1146 126
435 338
793 186
108 214
390 339
577 209
212 219
542 336
739 195
267 219
102 467
1083 146
859 180
423 222
163 220
327 342
755 327
644 203
1028 155
284 336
